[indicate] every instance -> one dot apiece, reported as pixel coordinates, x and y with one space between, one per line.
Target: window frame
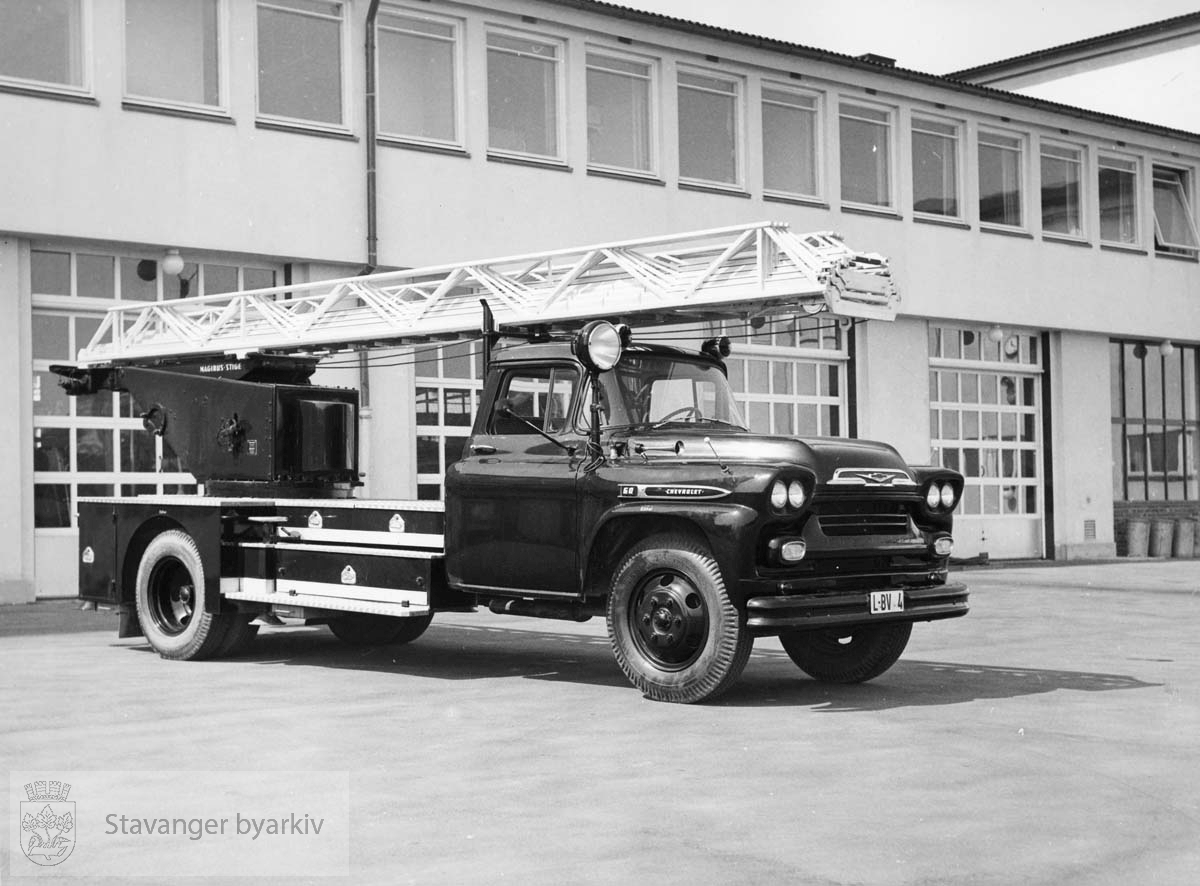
818 146
1022 150
654 108
457 41
1142 422
1081 207
1184 190
915 119
1110 160
433 377
738 95
268 118
85 88
889 123
559 157
221 108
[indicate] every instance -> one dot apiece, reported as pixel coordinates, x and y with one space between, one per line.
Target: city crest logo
47 822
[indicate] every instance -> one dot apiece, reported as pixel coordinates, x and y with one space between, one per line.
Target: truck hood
824 455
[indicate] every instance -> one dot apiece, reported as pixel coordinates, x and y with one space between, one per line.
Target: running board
324 595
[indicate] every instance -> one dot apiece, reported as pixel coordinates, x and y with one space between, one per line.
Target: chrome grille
863 518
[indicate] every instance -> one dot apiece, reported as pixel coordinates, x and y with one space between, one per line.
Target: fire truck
603 476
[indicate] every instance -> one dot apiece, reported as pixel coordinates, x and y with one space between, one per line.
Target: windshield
658 389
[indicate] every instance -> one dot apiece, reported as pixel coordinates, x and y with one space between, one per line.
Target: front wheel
361 629
673 628
170 597
847 655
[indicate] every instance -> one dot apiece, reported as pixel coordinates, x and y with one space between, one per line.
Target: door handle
482 449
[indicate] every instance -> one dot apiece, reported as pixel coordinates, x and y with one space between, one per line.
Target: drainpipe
372 208
364 378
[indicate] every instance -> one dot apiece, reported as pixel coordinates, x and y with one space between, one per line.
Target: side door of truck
512 508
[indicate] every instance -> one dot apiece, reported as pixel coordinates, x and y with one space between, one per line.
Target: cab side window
535 398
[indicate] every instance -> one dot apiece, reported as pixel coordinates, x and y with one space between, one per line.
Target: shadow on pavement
913 683
454 652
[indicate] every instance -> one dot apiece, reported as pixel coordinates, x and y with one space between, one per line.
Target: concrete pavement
1048 737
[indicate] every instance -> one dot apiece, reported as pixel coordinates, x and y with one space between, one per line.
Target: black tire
361 629
239 636
847 655
170 597
673 628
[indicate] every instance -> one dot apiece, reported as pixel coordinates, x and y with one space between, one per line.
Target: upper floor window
1062 173
1174 225
43 42
935 167
789 123
300 60
172 50
523 94
620 112
1000 160
1118 199
709 124
865 135
418 77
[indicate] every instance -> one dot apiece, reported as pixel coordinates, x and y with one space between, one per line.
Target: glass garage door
985 421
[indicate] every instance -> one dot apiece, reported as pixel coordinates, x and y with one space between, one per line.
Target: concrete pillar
893 385
1081 406
16 446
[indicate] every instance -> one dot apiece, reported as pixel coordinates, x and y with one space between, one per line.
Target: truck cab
607 477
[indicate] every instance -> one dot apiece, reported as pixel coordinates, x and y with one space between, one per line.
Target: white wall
1081 445
893 385
16 444
98 171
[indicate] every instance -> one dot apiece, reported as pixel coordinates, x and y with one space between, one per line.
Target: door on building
789 376
985 421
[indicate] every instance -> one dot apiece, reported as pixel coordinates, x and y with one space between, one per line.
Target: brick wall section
1149 511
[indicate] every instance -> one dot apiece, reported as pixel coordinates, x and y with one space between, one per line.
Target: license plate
886 601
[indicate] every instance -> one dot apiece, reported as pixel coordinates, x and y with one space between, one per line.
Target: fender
723 525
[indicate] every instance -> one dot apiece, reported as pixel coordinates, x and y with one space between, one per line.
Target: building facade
1047 255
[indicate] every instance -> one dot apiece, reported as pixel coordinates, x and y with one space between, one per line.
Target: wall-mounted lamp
172 262
1166 348
995 334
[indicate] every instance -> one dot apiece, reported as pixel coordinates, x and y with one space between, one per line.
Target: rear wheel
170 598
361 629
673 628
847 655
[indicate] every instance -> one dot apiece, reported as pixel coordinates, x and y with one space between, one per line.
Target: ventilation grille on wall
1089 530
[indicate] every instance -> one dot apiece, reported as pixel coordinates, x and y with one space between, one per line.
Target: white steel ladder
740 271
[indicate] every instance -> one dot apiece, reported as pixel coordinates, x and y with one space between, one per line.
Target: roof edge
1153 29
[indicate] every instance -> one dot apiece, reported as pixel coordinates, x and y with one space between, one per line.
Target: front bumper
823 609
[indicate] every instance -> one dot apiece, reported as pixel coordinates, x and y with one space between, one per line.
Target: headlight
933 496
779 495
947 496
795 494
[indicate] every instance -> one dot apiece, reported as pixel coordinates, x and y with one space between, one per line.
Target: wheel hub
670 620
172 597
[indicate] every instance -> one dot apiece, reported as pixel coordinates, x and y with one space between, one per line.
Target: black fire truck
603 476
